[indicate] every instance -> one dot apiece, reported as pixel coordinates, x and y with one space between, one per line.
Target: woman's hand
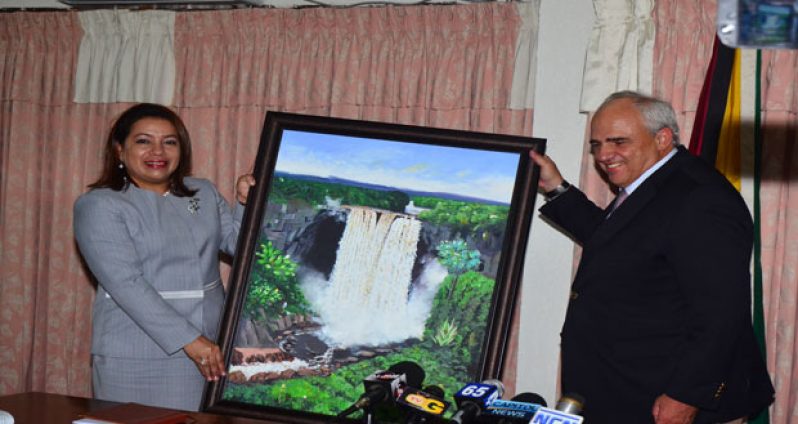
207 356
242 187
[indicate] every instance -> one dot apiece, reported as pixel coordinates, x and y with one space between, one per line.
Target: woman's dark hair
115 178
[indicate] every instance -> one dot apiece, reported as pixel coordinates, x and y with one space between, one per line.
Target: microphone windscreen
436 391
497 383
412 371
571 403
527 397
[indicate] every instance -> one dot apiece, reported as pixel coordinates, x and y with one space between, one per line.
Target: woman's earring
122 170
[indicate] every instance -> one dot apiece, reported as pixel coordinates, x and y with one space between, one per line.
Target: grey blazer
156 261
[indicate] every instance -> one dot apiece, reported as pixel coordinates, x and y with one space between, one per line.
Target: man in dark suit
658 327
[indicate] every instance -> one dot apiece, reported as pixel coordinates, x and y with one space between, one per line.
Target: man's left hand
668 410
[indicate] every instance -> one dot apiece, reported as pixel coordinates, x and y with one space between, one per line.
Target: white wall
564 31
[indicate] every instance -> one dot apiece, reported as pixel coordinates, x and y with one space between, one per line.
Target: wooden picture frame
364 244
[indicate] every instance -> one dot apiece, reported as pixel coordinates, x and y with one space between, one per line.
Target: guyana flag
717 139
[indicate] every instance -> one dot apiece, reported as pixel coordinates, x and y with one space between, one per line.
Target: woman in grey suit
151 236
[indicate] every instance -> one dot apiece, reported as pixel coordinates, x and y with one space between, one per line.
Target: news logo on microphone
473 398
422 401
484 394
553 416
500 408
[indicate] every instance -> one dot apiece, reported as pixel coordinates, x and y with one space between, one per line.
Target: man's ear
664 138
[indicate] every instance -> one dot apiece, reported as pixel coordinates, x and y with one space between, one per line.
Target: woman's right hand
244 183
207 356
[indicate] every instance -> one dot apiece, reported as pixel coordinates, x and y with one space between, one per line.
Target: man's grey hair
657 114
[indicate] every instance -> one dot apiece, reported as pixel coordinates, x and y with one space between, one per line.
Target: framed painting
368 244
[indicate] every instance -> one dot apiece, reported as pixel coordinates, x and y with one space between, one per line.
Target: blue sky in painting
468 172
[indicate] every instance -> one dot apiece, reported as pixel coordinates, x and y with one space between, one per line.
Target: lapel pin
193 205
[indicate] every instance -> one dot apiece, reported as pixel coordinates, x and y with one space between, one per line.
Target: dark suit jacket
661 299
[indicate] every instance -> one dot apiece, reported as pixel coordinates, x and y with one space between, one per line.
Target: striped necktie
622 195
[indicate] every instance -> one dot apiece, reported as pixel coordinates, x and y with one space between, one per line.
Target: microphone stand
368 416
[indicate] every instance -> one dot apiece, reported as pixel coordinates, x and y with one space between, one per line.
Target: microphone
6 417
473 398
383 386
571 403
527 397
522 407
424 405
568 408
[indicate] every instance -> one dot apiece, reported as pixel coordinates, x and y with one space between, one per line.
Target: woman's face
151 153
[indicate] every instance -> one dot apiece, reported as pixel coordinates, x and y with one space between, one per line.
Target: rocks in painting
284 325
316 244
310 372
338 353
303 345
287 343
236 358
248 355
264 365
237 377
263 377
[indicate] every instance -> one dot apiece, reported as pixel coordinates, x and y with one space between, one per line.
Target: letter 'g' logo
433 406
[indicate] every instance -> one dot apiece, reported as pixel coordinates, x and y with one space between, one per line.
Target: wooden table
48 408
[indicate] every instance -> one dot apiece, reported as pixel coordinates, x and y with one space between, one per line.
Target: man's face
621 144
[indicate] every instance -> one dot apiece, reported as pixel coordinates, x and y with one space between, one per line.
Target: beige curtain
444 66
618 58
126 56
619 54
779 226
682 51
45 156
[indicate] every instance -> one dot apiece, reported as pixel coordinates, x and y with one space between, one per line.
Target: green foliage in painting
324 395
463 317
458 259
446 333
285 189
467 308
332 394
426 201
274 290
465 217
449 350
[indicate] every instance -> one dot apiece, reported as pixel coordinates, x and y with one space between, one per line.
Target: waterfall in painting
366 300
